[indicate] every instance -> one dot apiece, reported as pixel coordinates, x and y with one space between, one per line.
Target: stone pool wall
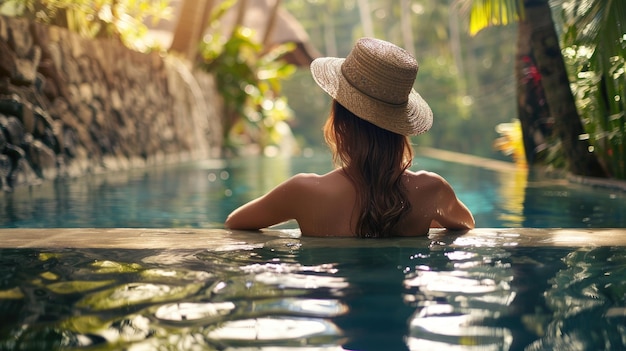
71 106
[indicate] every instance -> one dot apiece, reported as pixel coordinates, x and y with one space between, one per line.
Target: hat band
347 78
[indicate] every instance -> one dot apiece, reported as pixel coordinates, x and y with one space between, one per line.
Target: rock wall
71 106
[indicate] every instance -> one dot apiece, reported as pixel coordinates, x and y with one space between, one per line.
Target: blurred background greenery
467 80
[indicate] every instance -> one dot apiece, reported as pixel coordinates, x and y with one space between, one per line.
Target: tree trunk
406 27
568 126
366 18
330 42
532 108
457 51
192 21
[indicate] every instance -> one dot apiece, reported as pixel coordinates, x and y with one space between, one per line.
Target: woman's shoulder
305 178
315 176
314 180
425 181
299 182
424 177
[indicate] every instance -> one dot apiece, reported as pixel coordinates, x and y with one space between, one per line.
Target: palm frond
599 27
487 13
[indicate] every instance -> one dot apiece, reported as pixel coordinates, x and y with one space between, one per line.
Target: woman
371 193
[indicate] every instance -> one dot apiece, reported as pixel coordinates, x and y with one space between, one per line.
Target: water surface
201 194
281 292
289 294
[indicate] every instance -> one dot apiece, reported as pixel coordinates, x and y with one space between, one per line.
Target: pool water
303 294
201 194
278 291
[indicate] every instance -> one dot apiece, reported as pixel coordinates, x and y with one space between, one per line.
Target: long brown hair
374 160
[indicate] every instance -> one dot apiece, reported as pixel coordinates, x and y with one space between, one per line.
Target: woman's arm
277 206
451 213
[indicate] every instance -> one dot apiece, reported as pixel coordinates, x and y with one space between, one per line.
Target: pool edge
197 238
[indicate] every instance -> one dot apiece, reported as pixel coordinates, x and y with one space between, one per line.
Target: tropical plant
511 141
539 43
249 81
594 34
123 19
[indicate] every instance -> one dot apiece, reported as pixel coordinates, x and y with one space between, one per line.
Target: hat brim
414 118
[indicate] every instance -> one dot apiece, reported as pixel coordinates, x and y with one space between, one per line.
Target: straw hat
375 82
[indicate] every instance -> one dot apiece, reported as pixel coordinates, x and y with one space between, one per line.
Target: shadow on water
286 294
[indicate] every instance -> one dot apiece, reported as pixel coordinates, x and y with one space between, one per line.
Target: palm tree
599 28
539 43
556 86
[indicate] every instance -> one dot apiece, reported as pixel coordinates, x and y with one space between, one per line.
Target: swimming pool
164 275
201 194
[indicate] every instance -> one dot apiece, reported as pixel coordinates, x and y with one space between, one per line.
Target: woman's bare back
325 205
332 199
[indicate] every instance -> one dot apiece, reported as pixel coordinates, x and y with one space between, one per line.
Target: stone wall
71 106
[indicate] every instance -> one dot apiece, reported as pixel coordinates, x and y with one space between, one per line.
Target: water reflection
587 300
127 299
460 300
193 311
554 202
285 331
440 327
512 196
287 294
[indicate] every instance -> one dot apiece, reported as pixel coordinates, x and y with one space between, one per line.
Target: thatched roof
285 28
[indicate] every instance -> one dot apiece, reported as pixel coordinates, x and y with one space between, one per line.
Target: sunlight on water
202 194
135 294
493 240
456 306
441 327
288 294
222 297
191 311
438 283
271 329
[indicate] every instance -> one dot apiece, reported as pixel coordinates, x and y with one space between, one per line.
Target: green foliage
595 51
123 19
594 42
250 82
